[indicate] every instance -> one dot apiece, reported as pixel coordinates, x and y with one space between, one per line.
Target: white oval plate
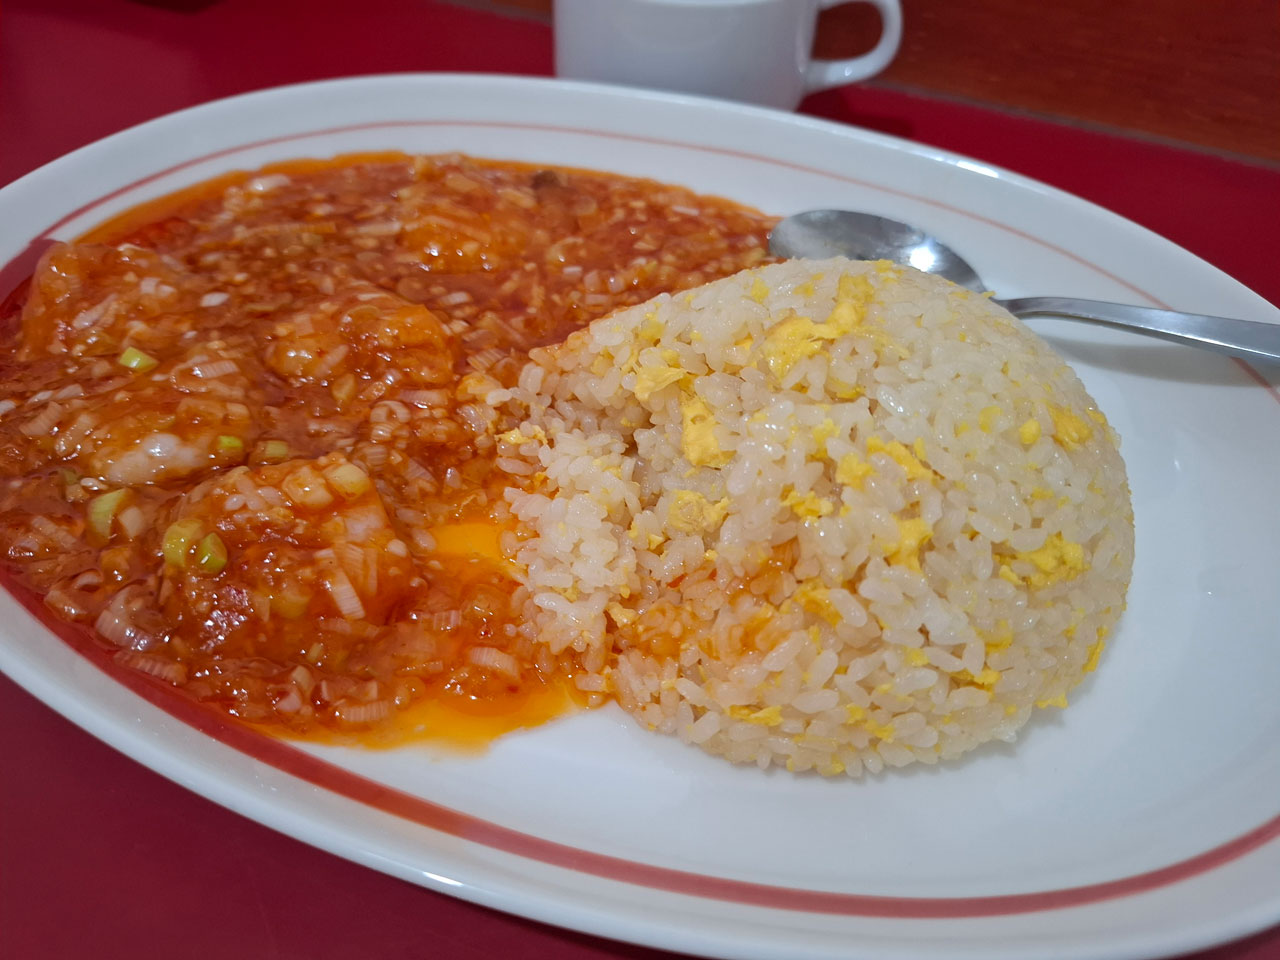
1143 820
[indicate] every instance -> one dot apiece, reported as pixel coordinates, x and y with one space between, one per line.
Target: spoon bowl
863 236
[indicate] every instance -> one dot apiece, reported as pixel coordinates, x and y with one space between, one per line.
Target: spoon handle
1238 338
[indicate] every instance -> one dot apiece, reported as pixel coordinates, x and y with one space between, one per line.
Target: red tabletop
100 857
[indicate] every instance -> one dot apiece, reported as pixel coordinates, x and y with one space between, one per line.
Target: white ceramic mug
753 50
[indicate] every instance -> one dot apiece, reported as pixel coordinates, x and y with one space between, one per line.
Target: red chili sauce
242 439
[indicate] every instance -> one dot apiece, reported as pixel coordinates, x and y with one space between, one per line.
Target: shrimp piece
193 412
288 544
88 300
364 332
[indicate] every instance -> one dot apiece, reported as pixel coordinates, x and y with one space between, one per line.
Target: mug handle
825 74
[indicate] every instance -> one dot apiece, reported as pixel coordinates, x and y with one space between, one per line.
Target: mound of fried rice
830 515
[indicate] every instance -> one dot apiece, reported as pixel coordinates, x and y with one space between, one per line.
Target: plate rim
875 140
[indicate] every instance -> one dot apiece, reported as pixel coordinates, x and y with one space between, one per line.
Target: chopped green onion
348 479
178 539
102 510
273 451
136 360
230 444
211 555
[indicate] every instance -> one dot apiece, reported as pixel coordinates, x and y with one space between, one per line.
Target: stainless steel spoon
862 236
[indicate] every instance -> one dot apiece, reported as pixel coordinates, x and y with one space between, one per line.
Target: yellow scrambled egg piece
814 597
653 541
1058 559
843 391
651 379
797 338
620 614
915 656
767 717
1068 429
698 439
912 535
915 470
985 679
1095 652
857 287
691 512
822 433
791 341
987 418
651 329
846 315
1006 573
884 732
759 290
1029 432
808 506
852 470
1059 701
516 436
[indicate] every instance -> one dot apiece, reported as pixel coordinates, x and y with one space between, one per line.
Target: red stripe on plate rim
303 766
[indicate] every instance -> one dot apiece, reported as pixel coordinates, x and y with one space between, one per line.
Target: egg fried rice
828 515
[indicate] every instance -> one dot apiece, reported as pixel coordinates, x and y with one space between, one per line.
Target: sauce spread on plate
242 440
